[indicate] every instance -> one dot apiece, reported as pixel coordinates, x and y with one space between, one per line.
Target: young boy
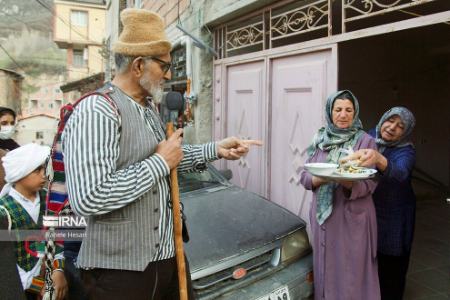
22 201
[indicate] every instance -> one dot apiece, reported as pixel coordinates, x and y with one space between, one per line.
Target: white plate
368 173
321 169
280 293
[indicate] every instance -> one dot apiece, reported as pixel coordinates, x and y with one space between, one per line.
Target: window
79 18
50 105
58 104
39 135
78 58
34 103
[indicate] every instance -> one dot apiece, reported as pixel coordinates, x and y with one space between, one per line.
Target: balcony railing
289 22
353 10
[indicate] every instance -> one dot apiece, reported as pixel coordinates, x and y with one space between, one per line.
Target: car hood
226 221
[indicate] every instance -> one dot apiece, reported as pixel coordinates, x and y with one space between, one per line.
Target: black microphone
174 101
172 104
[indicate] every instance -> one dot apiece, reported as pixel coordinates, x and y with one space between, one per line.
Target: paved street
429 272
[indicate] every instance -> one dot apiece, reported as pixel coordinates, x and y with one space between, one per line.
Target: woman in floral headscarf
343 220
394 197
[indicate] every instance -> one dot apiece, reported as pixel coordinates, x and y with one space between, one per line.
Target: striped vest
126 238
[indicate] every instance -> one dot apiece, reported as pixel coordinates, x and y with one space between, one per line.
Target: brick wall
167 9
122 6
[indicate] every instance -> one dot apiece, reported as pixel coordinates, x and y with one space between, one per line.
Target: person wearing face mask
7 129
394 198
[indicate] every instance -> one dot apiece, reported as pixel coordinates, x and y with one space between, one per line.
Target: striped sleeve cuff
58 264
210 151
37 283
157 166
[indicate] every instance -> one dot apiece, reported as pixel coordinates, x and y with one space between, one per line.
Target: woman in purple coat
343 220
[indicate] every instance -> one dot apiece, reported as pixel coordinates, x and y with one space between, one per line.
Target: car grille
216 281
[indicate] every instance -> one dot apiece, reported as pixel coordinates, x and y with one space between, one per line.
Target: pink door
300 85
246 118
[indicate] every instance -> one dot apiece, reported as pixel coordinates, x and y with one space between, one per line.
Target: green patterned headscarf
331 139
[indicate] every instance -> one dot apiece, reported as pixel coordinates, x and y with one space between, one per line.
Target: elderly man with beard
117 162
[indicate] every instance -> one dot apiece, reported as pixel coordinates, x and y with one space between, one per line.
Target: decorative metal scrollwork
245 36
306 18
368 7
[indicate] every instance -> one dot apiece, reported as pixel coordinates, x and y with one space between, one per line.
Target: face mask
6 132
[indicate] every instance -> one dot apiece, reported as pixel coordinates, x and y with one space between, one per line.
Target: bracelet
59 270
58 264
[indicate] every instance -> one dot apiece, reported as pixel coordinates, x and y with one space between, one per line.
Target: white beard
157 94
154 88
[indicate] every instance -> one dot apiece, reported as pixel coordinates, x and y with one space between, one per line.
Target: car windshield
189 182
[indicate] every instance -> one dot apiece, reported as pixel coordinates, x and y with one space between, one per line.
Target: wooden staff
177 226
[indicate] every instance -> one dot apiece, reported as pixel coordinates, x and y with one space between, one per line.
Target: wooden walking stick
177 226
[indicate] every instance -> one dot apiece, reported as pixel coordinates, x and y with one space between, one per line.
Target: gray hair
123 62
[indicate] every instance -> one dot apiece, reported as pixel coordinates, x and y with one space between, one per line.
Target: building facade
10 89
38 128
48 101
79 27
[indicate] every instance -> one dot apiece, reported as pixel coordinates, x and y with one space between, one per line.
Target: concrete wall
409 68
27 128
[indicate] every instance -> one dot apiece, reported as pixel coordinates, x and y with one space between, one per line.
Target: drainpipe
189 72
188 43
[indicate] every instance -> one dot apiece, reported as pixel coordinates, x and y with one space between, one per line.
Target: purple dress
345 246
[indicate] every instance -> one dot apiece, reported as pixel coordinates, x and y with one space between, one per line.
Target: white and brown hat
143 34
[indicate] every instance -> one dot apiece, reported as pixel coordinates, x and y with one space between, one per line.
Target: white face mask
6 132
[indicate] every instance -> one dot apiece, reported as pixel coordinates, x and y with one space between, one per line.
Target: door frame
220 85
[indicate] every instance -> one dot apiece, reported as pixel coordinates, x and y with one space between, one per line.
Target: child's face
34 181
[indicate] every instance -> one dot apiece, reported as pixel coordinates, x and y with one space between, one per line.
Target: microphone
171 106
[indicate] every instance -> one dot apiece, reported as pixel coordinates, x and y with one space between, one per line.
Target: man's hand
60 284
170 149
232 148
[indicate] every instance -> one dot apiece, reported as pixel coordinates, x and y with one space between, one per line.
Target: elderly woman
394 197
342 214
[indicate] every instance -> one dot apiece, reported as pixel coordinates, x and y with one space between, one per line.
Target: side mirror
227 173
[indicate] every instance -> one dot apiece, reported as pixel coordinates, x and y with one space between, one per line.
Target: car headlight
294 246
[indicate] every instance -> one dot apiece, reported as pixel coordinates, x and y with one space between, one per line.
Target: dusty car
243 246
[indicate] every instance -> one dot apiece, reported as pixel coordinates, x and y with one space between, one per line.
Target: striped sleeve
196 157
90 144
